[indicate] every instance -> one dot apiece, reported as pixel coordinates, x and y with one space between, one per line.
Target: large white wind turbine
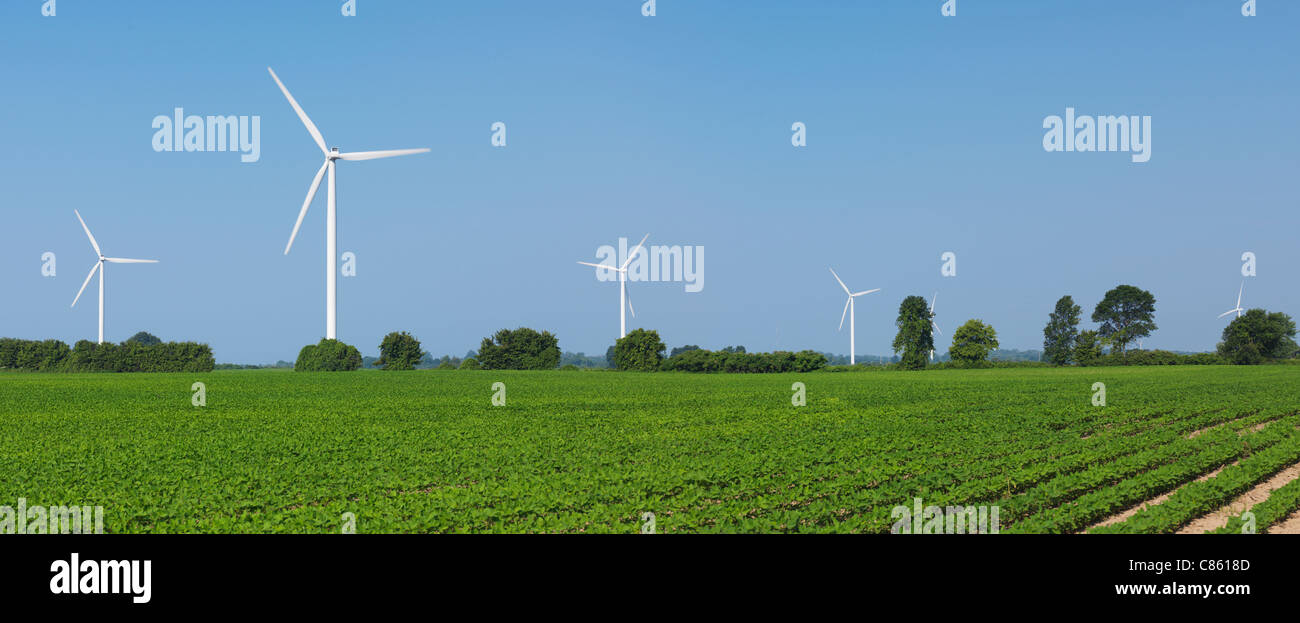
331 221
850 310
99 266
624 301
932 323
1238 308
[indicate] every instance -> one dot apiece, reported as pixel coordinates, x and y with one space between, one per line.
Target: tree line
140 353
1127 314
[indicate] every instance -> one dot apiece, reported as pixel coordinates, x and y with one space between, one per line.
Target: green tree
682 349
915 339
1125 314
144 339
328 356
809 360
469 363
641 351
521 349
399 351
1060 332
1257 336
1087 348
972 342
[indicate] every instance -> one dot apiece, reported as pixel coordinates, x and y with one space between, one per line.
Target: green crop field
426 451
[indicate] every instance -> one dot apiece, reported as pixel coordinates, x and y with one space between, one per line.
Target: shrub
972 342
34 356
640 351
470 363
521 349
1087 348
1258 336
328 356
399 351
699 360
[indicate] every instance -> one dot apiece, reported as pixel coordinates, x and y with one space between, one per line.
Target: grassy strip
1198 498
1279 505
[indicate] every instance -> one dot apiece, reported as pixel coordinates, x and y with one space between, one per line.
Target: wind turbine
851 311
99 266
932 323
1238 308
624 301
331 220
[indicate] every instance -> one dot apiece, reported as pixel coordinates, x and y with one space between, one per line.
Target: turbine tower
624 301
851 311
99 266
932 323
331 217
1238 308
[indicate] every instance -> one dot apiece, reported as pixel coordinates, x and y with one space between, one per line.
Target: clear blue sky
924 136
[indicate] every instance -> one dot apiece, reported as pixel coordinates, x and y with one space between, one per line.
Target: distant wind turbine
331 220
1238 308
624 301
851 311
99 266
932 323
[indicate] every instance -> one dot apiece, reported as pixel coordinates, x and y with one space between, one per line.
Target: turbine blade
387 153
837 278
311 127
86 283
122 260
935 327
605 266
311 194
932 301
88 234
629 302
844 313
865 292
635 250
1227 312
1239 290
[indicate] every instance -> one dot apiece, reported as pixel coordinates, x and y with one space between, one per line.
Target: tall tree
1258 336
1062 328
972 342
1125 314
915 339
